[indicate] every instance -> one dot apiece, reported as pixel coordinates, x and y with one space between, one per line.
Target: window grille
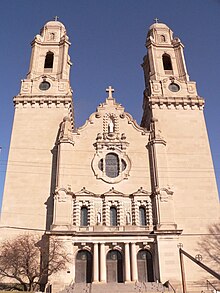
111 165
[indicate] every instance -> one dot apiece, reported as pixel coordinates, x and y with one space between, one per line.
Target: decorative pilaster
76 213
149 212
91 216
134 213
121 216
105 212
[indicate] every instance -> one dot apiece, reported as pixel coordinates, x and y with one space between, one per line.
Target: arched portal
83 267
114 267
145 266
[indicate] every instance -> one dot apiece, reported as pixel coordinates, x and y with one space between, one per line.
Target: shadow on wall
50 201
209 249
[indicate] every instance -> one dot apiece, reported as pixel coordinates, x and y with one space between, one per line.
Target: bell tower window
167 64
162 39
49 60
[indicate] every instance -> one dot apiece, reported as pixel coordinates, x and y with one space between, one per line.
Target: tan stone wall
29 171
191 177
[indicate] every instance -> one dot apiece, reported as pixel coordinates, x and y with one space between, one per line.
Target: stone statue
66 129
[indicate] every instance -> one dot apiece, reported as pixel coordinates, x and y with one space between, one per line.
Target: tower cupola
165 55
166 79
50 63
50 52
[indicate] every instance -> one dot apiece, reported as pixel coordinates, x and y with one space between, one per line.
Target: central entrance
114 264
83 267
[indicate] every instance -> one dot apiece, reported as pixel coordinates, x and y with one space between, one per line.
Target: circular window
45 85
113 165
173 87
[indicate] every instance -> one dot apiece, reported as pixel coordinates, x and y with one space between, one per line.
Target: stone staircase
136 287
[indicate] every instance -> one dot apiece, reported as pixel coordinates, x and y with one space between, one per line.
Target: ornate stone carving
66 132
165 194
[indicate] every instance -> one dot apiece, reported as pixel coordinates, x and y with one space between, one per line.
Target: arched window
84 216
142 216
49 60
112 165
162 38
113 216
167 64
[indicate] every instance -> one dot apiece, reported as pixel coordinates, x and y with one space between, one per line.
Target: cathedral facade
121 196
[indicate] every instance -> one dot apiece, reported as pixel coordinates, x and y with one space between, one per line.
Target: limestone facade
120 196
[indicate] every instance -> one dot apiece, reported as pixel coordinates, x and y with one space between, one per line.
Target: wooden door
83 267
114 265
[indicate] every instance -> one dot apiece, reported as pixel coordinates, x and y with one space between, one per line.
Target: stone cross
156 20
110 90
56 18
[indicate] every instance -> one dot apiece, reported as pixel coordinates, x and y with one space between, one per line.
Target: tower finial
110 90
56 18
156 20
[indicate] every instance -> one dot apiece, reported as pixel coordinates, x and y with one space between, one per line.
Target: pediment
141 192
84 192
113 192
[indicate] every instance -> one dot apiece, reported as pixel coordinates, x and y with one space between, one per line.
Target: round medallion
44 85
173 87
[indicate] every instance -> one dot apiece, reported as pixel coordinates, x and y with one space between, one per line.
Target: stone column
95 263
127 263
102 263
134 271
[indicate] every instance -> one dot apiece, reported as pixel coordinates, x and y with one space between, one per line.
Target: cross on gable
56 18
156 20
110 90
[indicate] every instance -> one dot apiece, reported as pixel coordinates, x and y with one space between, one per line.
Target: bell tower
182 173
45 98
165 73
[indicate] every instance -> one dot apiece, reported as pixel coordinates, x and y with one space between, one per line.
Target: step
136 287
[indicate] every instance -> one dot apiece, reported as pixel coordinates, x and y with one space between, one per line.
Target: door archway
83 267
145 266
114 264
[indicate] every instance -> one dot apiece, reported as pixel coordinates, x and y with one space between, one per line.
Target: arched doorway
83 267
145 266
114 265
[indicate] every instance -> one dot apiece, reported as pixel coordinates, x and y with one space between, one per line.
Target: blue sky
108 44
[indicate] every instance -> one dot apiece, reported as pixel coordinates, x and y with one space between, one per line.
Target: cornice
42 100
176 102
